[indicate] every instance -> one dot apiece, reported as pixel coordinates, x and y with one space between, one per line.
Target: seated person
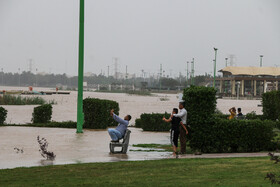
239 112
232 113
120 130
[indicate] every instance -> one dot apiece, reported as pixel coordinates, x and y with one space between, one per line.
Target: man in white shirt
183 115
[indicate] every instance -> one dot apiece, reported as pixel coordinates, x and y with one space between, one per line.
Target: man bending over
118 133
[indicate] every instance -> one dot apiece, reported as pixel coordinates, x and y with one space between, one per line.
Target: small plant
164 98
274 179
43 149
3 115
18 150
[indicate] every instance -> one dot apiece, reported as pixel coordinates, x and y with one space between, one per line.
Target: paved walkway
90 146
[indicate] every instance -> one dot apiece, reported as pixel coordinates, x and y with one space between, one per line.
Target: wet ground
69 147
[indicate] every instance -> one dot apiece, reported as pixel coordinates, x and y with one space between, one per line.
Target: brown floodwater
70 147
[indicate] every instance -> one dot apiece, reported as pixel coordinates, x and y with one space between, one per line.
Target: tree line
53 80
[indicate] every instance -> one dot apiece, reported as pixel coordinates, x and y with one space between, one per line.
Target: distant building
247 81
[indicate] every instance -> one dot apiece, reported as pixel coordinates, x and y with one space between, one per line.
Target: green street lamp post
215 49
80 114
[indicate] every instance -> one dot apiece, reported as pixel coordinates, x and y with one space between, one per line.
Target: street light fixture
261 56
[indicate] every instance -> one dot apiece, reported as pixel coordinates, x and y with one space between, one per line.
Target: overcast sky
142 34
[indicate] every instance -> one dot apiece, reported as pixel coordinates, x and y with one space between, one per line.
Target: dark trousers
174 135
183 139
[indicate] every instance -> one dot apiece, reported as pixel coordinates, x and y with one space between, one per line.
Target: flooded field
92 145
135 105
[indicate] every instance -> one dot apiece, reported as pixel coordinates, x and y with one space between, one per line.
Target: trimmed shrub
252 115
42 114
3 115
154 122
97 113
222 116
221 135
271 105
138 123
200 102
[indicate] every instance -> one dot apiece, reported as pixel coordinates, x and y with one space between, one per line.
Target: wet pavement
70 147
90 146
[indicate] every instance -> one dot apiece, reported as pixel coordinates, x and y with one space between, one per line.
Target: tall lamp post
80 114
187 72
18 76
261 56
226 61
2 77
215 49
192 72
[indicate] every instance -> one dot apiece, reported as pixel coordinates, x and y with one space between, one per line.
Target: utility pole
160 74
2 77
108 71
18 76
80 113
215 49
36 77
261 56
187 72
126 72
192 72
226 61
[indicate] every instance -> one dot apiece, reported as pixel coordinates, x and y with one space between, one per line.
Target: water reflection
44 162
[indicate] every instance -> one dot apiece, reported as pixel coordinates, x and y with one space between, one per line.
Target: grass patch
159 148
170 172
19 100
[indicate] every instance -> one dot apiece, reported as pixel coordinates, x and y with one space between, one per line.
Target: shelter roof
253 71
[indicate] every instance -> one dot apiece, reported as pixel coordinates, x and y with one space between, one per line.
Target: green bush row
97 113
271 105
19 100
210 132
222 135
153 122
3 115
249 116
64 124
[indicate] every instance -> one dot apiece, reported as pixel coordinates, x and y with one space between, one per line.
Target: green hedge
153 122
42 114
55 124
200 102
97 113
3 115
222 135
271 105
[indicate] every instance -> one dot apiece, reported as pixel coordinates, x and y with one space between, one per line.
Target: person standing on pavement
183 115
